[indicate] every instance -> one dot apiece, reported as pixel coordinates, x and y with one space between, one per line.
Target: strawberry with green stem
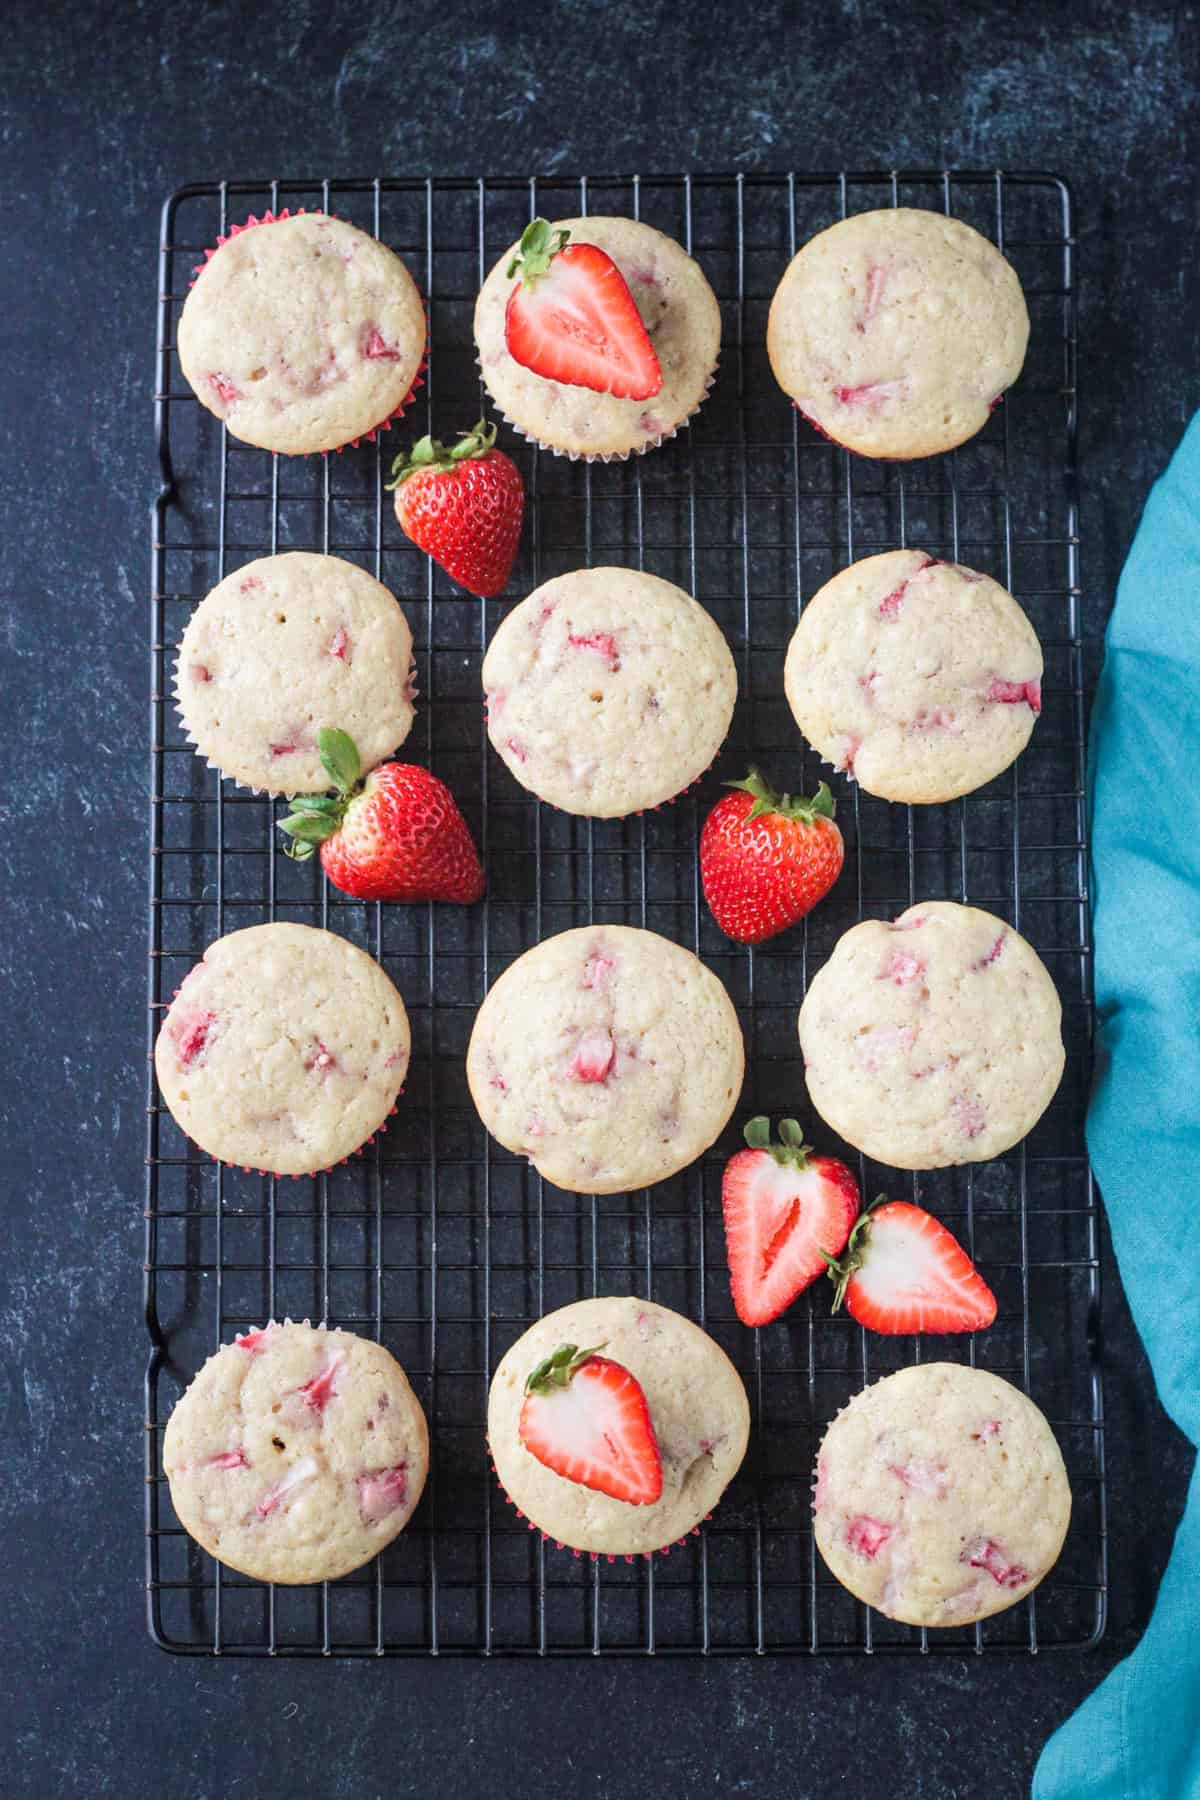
903 1272
787 1210
572 318
463 506
397 834
767 858
585 1417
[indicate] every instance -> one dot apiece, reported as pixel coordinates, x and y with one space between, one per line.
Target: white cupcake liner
604 456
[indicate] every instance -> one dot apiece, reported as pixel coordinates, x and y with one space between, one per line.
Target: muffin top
697 1406
282 647
302 333
920 678
941 1495
296 1453
284 1049
608 691
609 1056
896 332
680 313
933 1040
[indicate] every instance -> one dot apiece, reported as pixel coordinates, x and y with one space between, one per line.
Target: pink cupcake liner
606 456
594 1555
418 381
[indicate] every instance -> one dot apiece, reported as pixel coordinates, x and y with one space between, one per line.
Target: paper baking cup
411 691
595 1555
610 456
418 381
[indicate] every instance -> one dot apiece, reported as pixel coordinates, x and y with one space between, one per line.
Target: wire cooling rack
436 1240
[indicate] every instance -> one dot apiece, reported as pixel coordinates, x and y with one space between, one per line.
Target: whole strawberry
463 507
767 858
398 835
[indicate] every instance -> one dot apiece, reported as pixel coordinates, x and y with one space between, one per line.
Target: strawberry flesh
596 1431
601 643
320 1390
778 1219
594 1056
1013 693
230 1459
191 1037
382 1491
578 323
298 1476
253 1341
866 1535
377 349
915 1276
986 1554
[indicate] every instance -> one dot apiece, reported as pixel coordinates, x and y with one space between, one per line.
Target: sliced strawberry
903 1272
786 1213
572 318
585 1417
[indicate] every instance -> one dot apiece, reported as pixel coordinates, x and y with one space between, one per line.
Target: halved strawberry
585 1417
572 318
904 1272
786 1211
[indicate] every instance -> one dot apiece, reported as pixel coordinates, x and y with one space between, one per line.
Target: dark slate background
102 116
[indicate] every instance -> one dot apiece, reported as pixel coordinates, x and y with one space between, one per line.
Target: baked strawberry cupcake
283 1050
896 332
297 1453
608 691
615 1426
302 333
941 1495
597 338
608 1056
281 648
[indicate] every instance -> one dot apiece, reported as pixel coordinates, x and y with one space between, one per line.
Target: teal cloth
1138 1736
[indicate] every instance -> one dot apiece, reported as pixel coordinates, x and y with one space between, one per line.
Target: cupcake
615 1426
302 333
597 338
608 1056
283 1050
297 1453
896 332
941 1495
919 678
279 649
608 691
934 1040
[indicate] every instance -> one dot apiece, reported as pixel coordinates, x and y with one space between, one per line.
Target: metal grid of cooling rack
438 1242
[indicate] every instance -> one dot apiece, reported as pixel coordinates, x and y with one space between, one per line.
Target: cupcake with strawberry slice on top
597 338
615 1426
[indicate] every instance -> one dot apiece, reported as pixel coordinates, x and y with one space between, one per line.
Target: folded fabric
1138 1736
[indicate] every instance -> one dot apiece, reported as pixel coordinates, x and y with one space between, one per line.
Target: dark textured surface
97 126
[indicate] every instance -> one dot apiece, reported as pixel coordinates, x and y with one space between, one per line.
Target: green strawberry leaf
540 244
758 1133
308 828
315 803
556 1370
339 758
